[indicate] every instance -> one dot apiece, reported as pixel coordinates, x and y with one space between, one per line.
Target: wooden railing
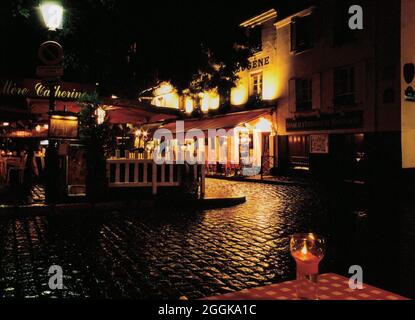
127 173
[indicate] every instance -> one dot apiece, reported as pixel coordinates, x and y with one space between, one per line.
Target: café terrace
27 127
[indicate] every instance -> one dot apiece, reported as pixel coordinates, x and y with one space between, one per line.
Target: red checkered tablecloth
331 287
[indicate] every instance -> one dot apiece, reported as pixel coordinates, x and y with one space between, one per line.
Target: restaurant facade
336 96
28 128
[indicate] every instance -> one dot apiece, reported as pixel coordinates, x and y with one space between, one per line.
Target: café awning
118 114
40 107
228 121
133 115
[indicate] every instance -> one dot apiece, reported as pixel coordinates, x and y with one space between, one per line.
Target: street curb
67 209
216 203
62 209
270 182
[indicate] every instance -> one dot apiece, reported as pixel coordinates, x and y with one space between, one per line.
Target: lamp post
52 14
51 54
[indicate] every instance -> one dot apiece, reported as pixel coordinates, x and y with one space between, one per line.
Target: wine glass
308 250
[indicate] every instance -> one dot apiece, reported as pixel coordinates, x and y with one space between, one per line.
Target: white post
117 172
145 180
203 182
154 179
136 164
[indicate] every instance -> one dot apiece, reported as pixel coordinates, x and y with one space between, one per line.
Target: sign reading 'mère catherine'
34 88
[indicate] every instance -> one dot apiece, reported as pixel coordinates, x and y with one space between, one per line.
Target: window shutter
360 83
316 91
293 34
292 98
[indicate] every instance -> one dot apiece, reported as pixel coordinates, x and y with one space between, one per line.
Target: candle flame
304 250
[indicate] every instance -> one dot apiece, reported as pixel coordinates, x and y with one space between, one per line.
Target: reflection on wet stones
168 254
158 255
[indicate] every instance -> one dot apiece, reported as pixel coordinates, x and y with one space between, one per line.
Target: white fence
136 173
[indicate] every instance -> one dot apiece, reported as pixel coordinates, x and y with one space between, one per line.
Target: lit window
256 84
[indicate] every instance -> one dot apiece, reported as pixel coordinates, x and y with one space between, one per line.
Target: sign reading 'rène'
257 63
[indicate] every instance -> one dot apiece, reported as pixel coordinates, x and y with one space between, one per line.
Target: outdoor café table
331 287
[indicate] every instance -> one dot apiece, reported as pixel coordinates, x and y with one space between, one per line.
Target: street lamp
52 14
51 54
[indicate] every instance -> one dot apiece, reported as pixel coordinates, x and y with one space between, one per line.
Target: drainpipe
376 48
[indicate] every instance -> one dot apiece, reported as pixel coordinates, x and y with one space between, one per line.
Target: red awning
123 115
116 114
219 122
41 107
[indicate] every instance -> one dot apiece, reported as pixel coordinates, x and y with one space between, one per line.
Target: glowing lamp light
264 125
269 91
307 250
188 105
100 115
238 96
166 96
214 101
52 14
164 88
204 102
209 101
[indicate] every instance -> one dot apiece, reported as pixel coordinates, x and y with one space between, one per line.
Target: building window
344 86
300 34
303 92
255 39
256 85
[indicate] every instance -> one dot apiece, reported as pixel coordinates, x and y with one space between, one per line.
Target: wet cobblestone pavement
168 254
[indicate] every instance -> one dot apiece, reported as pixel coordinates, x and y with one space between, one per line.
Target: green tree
98 141
220 72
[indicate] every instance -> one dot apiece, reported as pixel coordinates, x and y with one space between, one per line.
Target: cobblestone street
168 254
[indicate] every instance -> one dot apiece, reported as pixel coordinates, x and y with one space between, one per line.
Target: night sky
169 37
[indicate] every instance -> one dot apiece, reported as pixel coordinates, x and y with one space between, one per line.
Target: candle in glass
308 251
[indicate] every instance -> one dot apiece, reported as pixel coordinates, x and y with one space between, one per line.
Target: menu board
63 127
319 143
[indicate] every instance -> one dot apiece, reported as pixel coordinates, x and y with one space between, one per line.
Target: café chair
19 167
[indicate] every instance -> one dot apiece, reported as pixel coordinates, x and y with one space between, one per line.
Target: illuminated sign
348 120
33 88
257 63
